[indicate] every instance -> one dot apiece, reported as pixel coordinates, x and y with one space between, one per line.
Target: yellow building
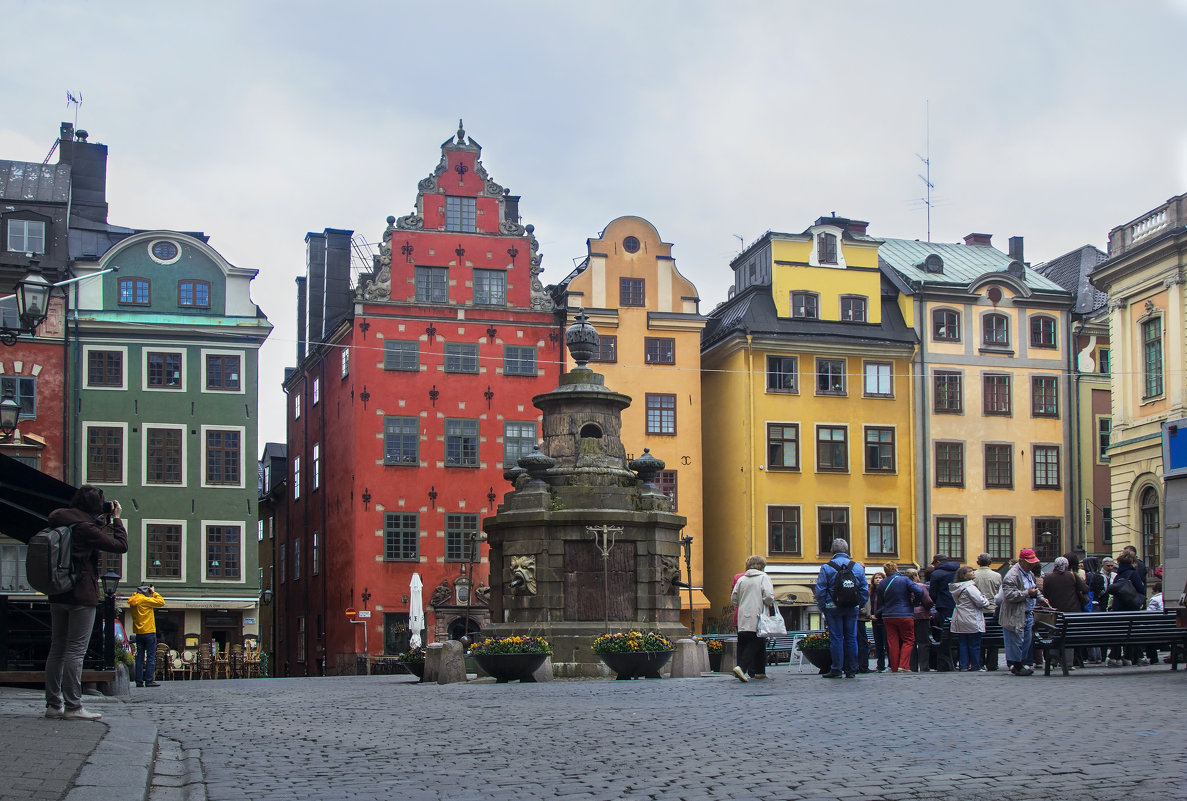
808 415
1144 279
647 316
993 399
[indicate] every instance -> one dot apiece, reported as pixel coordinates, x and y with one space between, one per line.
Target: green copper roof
963 264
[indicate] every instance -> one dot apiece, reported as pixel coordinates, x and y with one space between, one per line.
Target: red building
413 393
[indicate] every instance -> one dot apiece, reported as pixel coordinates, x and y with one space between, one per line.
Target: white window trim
865 368
152 244
296 477
315 463
144 524
242 551
242 371
814 256
86 436
144 454
86 360
144 369
242 451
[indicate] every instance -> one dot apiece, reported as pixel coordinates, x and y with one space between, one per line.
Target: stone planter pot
415 668
510 667
820 657
636 664
715 662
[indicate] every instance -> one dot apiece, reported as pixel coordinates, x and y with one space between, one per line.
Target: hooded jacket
941 577
144 618
969 616
90 536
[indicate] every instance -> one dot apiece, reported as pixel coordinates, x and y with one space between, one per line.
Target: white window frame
25 236
242 370
144 369
870 369
182 566
316 464
144 454
296 477
242 456
86 360
86 426
242 551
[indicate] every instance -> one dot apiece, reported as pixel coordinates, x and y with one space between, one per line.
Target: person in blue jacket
942 576
840 616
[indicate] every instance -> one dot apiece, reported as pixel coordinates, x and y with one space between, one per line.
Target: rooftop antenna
926 159
76 101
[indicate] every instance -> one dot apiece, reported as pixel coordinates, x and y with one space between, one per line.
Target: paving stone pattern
1099 734
42 756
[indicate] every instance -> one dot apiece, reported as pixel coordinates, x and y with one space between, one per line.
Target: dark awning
27 496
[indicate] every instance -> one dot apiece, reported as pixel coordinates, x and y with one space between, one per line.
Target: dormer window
461 214
135 292
193 294
26 236
826 248
805 305
853 308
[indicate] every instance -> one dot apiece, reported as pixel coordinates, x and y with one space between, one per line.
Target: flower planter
636 664
415 668
510 667
820 657
715 662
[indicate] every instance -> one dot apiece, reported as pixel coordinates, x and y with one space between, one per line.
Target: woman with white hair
1066 591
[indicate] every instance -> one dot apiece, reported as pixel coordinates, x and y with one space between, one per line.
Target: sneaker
984 669
832 674
1125 663
139 684
741 674
80 714
881 670
851 675
759 676
1144 662
1024 671
54 711
1113 663
151 684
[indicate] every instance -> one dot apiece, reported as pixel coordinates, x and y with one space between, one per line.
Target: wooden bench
1104 629
779 649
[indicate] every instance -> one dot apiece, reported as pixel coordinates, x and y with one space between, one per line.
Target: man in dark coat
942 576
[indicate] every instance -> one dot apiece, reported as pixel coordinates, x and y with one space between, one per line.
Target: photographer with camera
144 603
95 526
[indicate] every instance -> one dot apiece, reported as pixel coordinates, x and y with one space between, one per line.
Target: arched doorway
462 626
1150 523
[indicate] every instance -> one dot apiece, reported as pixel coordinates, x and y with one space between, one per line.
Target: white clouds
259 122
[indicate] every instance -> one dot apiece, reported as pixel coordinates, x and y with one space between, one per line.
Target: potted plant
513 658
715 648
413 661
815 648
634 654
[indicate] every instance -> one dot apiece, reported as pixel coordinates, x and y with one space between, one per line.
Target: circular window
994 294
630 244
164 251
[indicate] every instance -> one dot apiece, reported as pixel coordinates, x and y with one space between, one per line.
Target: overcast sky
257 122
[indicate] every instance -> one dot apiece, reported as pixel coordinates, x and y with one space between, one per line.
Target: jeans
969 650
880 650
922 657
863 645
1018 644
146 657
842 637
71 632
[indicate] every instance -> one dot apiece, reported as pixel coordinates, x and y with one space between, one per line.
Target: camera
109 507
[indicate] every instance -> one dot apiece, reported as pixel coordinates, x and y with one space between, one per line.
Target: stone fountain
547 573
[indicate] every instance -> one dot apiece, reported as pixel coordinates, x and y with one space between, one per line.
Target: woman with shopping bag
753 592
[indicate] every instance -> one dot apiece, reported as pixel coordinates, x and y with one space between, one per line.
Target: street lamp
10 410
266 597
110 580
32 306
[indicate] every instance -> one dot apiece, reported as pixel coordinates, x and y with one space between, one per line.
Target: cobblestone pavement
1098 734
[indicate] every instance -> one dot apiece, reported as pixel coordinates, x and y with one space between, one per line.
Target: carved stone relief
523 575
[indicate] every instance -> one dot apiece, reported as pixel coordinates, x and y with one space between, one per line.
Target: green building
164 354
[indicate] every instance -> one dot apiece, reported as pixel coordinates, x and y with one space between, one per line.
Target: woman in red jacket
72 613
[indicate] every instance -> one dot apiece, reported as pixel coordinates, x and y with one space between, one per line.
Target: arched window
995 331
1151 523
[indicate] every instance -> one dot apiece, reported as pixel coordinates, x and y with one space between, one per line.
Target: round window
164 251
994 294
630 244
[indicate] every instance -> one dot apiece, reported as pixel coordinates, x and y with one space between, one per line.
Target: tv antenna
76 101
926 159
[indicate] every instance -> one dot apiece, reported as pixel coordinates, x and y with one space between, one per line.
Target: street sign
351 612
365 614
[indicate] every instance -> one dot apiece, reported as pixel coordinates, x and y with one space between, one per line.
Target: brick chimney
979 239
88 170
1016 249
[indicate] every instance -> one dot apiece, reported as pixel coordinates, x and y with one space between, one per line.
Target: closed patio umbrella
416 610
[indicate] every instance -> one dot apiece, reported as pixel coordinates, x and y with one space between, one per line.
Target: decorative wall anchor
366 498
434 394
460 251
364 396
407 249
512 252
489 395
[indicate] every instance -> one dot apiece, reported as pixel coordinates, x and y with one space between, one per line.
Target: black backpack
844 584
49 563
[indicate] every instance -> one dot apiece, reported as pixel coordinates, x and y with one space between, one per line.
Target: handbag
770 625
1123 589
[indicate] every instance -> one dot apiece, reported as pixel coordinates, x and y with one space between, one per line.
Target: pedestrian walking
751 594
144 603
96 526
841 590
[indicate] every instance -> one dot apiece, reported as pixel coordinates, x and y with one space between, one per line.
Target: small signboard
364 614
351 612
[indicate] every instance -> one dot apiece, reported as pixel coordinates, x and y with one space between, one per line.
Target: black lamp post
110 580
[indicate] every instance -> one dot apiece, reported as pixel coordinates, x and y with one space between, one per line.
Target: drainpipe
73 420
923 545
749 437
1072 428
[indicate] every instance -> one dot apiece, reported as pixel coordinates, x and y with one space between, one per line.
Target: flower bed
814 641
512 645
631 642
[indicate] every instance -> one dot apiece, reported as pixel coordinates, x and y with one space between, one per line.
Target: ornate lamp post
686 544
32 306
110 580
604 537
10 410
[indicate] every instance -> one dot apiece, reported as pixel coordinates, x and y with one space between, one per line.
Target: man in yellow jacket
144 603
